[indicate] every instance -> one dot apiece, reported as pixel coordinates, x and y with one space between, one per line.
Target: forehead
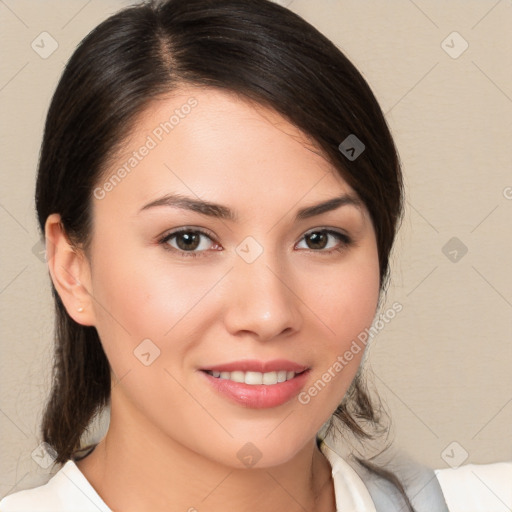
212 143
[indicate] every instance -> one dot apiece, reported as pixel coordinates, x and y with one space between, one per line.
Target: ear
70 272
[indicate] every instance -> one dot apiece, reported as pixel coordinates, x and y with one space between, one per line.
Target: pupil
191 241
315 238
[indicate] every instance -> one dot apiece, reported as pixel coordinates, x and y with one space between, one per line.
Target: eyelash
345 240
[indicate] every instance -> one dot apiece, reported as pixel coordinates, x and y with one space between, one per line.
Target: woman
219 195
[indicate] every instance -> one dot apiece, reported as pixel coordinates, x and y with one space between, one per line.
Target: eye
318 240
187 242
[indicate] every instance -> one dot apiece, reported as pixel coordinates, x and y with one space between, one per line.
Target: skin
173 440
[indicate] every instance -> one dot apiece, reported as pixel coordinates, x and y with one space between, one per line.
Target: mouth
255 378
256 384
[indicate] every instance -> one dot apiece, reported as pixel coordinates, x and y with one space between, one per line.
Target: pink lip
252 365
258 396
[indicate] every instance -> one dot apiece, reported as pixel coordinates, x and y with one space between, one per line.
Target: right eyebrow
197 205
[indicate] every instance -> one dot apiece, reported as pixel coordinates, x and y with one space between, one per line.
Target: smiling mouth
255 378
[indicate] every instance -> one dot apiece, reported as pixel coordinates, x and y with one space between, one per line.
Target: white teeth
281 375
270 378
254 378
237 376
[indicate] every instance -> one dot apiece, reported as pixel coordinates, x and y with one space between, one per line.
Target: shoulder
67 491
375 485
418 481
472 487
477 487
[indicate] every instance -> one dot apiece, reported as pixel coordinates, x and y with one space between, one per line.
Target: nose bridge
263 301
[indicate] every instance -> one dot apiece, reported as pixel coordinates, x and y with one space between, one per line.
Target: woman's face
251 286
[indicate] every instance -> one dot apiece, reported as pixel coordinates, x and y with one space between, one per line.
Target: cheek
146 296
350 320
355 307
346 298
346 303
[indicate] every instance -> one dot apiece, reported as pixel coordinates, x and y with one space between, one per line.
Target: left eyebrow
327 206
223 212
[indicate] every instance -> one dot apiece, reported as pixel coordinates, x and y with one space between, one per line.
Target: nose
262 300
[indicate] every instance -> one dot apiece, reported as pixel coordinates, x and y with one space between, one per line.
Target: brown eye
319 240
187 242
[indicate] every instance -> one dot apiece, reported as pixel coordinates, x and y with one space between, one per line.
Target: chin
259 452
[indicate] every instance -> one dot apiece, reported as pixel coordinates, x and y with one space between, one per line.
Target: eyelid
186 229
327 229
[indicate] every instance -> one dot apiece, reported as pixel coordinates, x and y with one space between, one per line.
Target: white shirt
477 487
470 488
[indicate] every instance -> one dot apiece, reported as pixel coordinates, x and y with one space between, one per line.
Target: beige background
443 364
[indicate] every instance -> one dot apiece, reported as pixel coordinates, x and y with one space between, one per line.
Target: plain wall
443 364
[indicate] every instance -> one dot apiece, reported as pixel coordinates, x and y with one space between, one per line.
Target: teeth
254 378
281 376
236 376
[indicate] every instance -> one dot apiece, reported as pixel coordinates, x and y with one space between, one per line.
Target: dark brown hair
254 48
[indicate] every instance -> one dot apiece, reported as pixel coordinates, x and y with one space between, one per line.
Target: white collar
350 491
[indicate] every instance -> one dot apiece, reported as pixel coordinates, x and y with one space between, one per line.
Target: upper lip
253 365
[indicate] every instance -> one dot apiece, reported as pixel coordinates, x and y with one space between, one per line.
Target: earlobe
70 272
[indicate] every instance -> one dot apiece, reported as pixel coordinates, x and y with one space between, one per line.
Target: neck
139 469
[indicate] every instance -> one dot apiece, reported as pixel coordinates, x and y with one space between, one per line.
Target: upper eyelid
186 229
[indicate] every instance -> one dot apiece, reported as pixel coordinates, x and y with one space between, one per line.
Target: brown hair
254 48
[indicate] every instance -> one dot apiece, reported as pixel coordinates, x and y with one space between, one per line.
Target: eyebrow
223 212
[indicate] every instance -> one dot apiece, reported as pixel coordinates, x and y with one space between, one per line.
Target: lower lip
259 396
